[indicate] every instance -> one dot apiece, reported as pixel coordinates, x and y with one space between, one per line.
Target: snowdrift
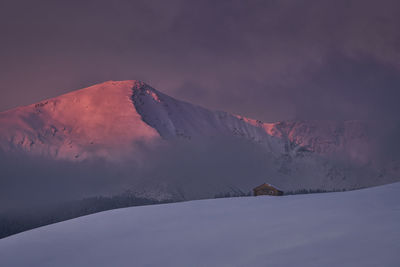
356 228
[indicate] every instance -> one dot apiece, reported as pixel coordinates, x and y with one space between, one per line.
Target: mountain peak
133 83
97 120
115 85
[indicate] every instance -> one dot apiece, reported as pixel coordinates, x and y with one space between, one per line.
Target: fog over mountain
122 135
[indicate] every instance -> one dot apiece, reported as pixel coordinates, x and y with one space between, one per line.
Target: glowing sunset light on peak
106 119
101 117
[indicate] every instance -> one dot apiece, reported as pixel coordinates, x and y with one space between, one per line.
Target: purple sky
270 60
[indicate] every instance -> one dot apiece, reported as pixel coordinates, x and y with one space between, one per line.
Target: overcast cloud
271 60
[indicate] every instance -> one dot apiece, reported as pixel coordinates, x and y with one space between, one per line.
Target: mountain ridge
110 119
141 91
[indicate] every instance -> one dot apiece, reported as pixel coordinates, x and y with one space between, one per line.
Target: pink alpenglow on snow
115 119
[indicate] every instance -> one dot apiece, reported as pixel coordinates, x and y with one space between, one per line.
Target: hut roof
266 184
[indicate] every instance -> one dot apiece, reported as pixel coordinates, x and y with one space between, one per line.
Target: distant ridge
104 120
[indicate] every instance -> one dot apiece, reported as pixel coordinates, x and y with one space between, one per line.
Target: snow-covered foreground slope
357 228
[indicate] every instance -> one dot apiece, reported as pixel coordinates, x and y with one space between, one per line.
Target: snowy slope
357 228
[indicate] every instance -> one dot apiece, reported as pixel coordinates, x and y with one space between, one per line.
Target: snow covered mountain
108 120
102 119
97 119
357 228
92 121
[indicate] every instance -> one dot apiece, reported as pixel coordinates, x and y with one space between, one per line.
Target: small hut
267 189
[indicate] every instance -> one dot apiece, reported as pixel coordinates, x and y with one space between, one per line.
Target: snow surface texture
357 228
107 121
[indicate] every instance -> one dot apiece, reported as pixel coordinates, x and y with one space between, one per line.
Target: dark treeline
294 192
233 194
18 221
14 222
312 191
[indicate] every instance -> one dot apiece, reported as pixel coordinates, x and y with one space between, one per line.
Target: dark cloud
212 167
271 60
191 170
